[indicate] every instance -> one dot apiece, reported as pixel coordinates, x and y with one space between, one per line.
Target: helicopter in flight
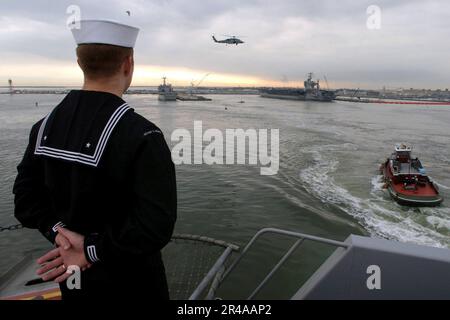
230 40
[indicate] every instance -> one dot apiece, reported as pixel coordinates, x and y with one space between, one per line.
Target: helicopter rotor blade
227 35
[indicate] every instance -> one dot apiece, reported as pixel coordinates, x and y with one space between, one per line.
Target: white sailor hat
104 32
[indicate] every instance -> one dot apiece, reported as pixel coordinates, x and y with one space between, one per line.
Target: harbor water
328 183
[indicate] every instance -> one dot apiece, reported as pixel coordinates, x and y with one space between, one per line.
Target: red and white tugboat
407 181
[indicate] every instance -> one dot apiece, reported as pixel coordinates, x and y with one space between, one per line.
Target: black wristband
52 231
91 250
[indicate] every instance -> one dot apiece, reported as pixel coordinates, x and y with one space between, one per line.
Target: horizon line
228 86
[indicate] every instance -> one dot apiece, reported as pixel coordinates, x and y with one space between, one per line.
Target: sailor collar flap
85 145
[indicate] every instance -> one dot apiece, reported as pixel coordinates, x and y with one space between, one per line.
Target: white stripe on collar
81 157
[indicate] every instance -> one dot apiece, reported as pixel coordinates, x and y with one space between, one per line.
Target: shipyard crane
355 92
326 81
195 85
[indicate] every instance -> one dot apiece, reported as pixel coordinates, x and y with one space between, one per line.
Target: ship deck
424 190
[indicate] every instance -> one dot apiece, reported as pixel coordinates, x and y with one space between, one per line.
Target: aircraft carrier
311 92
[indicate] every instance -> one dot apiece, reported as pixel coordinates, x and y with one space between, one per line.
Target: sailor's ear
128 64
131 60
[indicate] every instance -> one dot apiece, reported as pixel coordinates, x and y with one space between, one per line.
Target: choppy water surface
328 183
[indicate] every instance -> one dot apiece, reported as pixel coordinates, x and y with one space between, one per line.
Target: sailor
97 179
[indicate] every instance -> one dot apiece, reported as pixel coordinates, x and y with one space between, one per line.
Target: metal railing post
212 272
247 247
277 266
215 284
301 236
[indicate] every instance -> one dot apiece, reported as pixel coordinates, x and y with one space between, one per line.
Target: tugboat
406 180
166 92
311 92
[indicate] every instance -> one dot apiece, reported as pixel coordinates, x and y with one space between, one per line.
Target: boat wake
379 215
441 186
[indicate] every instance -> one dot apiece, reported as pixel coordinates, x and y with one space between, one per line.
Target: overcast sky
285 39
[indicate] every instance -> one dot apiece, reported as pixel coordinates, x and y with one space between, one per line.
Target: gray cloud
284 39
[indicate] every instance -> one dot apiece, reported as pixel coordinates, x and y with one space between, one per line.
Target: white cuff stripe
56 226
92 253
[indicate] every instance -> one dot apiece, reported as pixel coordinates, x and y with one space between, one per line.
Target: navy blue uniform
98 168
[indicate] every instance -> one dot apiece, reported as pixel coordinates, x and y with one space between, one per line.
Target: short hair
101 60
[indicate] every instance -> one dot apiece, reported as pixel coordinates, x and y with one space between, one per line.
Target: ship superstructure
166 92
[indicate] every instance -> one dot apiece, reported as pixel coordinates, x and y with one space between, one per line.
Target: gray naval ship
311 92
166 92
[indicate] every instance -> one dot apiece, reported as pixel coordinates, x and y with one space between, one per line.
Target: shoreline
234 91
